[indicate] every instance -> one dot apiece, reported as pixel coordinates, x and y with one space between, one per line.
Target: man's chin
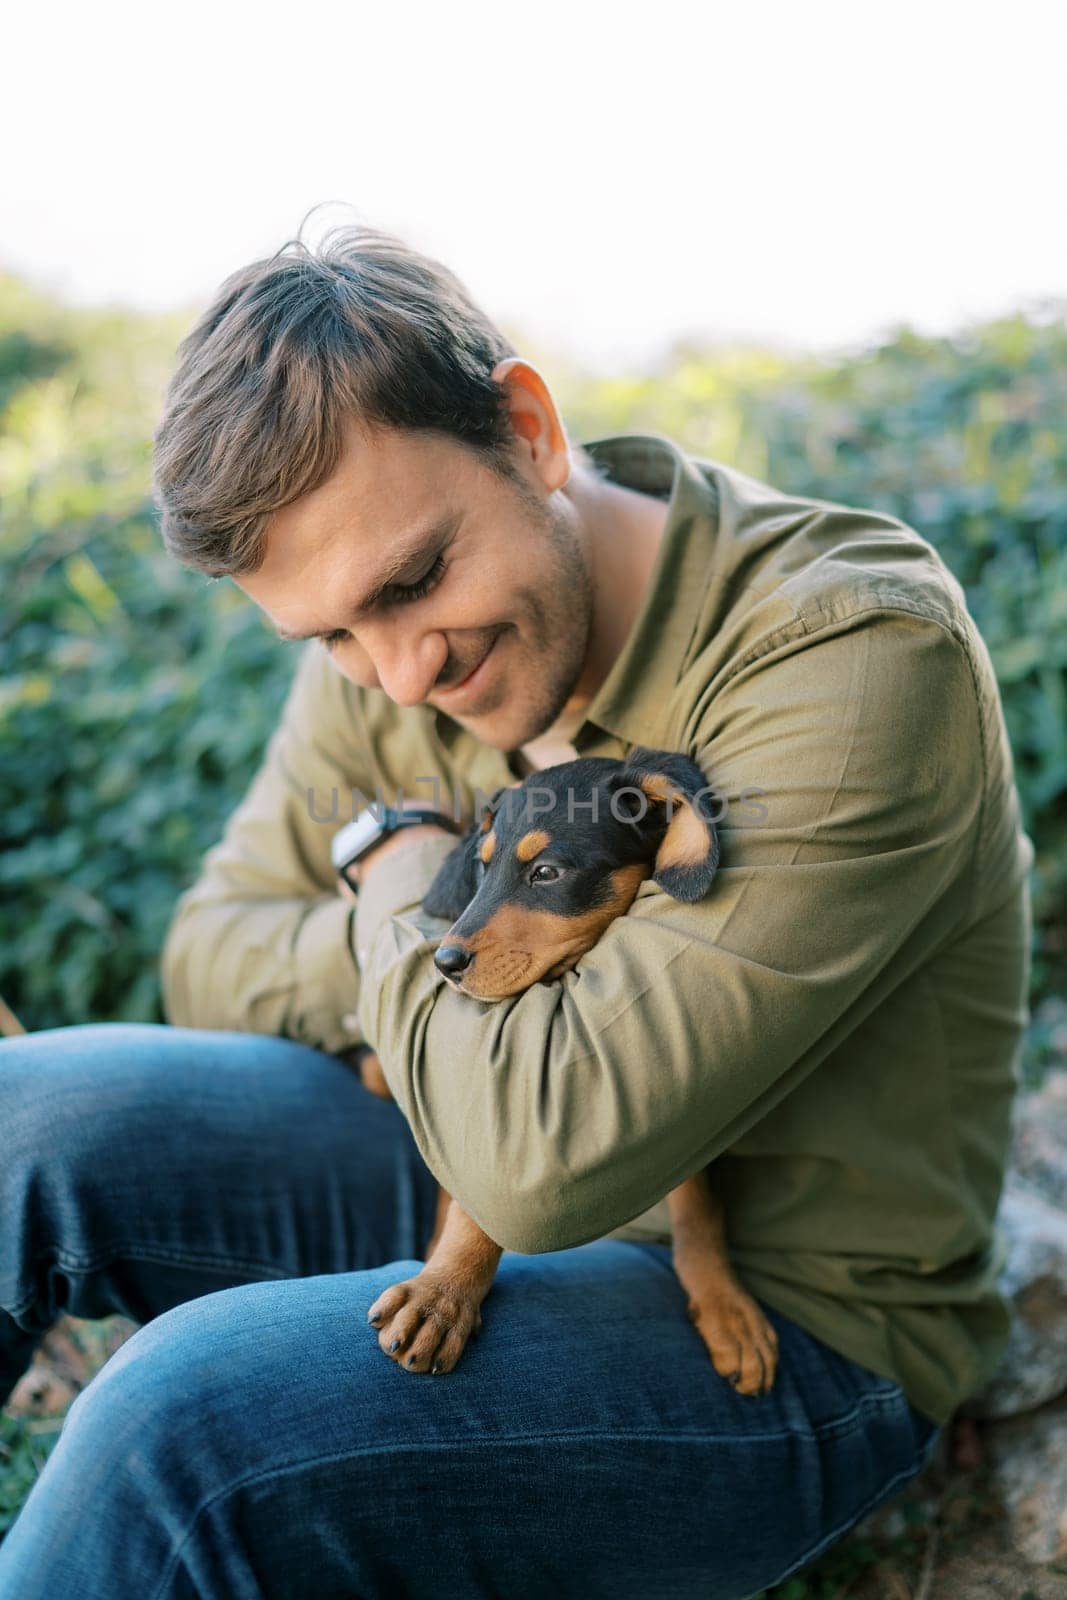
485 729
497 724
497 728
498 735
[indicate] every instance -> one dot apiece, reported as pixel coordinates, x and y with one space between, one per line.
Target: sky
605 177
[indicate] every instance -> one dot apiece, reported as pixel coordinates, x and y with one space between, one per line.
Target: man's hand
370 1068
371 1075
401 840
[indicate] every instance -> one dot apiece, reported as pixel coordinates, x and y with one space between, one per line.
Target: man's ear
456 883
679 802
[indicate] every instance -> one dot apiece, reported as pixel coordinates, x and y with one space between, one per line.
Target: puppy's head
550 863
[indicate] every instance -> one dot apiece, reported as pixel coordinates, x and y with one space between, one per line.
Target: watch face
350 842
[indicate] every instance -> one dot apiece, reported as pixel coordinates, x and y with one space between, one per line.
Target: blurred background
823 243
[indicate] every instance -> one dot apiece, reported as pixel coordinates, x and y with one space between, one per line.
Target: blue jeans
247 1199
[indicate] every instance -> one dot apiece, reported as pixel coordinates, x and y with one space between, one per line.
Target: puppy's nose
451 959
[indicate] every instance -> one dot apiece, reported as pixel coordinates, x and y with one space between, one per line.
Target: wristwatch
373 824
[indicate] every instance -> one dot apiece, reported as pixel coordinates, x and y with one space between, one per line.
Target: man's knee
201 1382
50 1080
161 1398
63 1119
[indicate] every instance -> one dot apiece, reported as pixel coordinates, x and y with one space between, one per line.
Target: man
835 1026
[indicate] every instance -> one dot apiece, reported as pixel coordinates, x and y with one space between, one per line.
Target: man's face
470 564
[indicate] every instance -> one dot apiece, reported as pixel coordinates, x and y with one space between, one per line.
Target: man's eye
397 594
405 592
543 873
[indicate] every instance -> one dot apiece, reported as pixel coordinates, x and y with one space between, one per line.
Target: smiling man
499 600
835 1027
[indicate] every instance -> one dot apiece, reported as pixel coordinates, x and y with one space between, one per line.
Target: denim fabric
248 1200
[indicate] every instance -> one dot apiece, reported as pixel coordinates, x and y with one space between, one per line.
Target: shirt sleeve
262 941
563 1112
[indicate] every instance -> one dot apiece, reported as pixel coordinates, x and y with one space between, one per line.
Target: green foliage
137 697
25 1445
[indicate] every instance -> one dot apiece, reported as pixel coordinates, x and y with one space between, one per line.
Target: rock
1024 1404
1028 1455
40 1392
1033 1368
1033 1218
70 1353
1039 1142
1015 1428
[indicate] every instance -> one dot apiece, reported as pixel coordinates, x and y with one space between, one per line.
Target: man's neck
624 530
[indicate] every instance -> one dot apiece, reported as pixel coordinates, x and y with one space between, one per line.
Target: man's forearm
284 967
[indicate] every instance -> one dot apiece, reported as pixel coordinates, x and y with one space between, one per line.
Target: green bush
137 697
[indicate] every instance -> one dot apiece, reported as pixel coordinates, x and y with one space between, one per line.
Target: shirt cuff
399 885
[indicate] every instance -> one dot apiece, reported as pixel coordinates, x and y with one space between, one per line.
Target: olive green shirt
836 1025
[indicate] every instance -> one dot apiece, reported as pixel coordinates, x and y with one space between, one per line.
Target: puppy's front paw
424 1323
741 1341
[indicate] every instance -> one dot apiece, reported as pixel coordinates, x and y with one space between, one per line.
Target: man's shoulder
785 565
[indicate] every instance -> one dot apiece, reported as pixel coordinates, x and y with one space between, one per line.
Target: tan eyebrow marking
531 844
488 846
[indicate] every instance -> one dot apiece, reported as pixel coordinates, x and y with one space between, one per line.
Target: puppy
549 865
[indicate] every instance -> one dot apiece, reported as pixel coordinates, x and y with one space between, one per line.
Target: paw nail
395 1345
435 1368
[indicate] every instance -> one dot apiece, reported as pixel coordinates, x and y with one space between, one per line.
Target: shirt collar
629 704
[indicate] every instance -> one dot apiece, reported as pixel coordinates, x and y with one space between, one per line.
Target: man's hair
293 349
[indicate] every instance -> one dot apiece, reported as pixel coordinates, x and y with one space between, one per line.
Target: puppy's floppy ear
456 883
687 854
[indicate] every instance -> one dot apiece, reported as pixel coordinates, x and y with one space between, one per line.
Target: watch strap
393 819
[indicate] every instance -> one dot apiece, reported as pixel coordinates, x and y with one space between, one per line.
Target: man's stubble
559 614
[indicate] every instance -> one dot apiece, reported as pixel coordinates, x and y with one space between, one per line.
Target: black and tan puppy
547 867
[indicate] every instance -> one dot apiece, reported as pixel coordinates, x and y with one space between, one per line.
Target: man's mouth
456 693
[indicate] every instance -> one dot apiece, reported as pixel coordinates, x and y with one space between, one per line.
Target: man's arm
557 1115
261 943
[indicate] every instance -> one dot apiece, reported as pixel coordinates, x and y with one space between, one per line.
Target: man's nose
406 668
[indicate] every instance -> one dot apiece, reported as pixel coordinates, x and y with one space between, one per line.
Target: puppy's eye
543 873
